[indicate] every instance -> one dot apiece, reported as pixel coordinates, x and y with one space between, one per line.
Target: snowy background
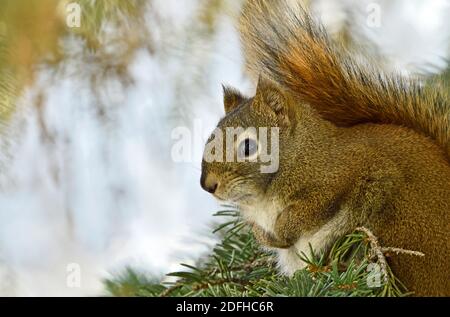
87 174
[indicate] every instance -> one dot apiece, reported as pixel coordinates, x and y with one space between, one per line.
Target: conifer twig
380 252
377 250
401 251
168 291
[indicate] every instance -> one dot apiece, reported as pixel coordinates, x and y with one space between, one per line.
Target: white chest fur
320 240
264 213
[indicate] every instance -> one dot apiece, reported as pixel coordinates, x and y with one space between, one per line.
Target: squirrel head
257 138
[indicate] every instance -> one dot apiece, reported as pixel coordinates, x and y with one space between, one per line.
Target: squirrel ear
231 98
270 96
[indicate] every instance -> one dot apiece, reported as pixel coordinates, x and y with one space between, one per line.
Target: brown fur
371 150
287 46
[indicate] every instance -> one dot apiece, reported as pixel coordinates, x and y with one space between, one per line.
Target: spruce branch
238 266
376 250
389 250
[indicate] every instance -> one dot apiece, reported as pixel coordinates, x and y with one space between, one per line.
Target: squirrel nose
209 183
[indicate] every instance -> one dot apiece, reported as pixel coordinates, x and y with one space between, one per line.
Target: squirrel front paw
285 228
269 240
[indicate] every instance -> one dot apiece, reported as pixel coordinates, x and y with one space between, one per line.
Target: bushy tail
283 42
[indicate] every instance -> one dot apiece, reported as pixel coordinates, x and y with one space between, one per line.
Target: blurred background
90 94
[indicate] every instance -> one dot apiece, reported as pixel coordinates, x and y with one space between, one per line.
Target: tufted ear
270 97
232 98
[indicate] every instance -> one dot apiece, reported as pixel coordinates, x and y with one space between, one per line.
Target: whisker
195 167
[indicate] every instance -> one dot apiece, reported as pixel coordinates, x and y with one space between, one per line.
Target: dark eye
247 148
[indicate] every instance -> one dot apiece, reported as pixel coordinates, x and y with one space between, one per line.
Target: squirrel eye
247 148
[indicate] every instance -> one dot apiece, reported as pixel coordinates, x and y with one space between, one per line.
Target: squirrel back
285 44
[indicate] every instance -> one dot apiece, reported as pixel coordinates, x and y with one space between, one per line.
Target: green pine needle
239 267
